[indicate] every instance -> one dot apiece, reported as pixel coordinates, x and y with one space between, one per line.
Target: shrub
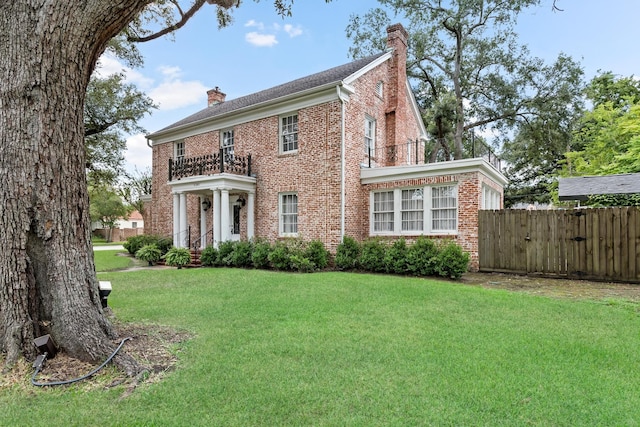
209 256
348 254
178 257
279 257
149 253
372 258
422 257
260 254
225 253
452 261
134 243
164 244
395 257
317 254
241 255
301 263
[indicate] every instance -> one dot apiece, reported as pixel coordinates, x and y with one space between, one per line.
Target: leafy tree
112 108
136 185
469 70
107 207
48 282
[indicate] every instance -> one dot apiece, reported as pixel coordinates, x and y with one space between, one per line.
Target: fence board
583 243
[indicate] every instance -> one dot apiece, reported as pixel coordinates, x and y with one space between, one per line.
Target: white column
250 215
203 224
216 218
183 221
224 215
176 219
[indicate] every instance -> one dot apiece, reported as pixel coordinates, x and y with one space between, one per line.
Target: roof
581 188
331 76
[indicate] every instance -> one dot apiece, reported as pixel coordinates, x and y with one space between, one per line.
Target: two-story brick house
336 153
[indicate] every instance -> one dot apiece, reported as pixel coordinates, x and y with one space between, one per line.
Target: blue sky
260 50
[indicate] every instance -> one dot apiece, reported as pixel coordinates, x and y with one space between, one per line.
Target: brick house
337 153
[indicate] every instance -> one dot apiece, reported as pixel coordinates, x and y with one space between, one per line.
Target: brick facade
325 171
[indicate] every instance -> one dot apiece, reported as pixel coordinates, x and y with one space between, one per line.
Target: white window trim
280 135
175 150
280 214
427 217
490 198
368 119
225 148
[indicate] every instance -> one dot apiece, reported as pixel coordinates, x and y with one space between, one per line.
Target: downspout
342 164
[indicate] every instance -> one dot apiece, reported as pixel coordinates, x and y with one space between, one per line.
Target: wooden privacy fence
600 244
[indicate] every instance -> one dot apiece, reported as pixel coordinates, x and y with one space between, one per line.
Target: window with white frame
289 133
490 198
226 144
288 214
380 88
134 224
369 136
418 210
178 150
383 213
444 208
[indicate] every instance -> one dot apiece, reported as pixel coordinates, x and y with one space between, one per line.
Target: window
444 208
288 214
383 211
178 150
421 210
134 224
380 88
226 143
490 198
369 136
412 210
289 133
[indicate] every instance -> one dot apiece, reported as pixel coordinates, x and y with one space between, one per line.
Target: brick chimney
215 96
396 107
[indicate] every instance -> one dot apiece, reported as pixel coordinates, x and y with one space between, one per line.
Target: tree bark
48 284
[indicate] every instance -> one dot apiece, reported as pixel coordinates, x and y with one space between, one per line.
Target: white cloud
138 154
255 24
261 40
171 73
293 31
175 93
108 65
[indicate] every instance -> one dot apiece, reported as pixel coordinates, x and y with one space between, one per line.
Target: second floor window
289 133
369 136
178 150
226 143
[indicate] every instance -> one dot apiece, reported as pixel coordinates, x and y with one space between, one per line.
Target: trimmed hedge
134 243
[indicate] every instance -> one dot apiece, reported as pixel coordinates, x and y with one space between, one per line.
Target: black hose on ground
40 363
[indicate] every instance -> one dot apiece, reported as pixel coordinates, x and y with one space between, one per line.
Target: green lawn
113 260
337 349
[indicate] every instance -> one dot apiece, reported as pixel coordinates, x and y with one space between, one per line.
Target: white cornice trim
362 71
398 173
416 110
206 184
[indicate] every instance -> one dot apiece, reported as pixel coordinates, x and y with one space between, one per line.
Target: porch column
216 218
203 224
224 215
183 221
250 214
176 219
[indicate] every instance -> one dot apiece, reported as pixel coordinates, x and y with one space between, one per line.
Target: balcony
210 164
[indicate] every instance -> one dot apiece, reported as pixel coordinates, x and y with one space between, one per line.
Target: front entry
235 205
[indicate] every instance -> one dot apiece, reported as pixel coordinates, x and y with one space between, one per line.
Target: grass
334 349
113 260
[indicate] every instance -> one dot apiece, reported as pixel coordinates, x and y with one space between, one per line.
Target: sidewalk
109 248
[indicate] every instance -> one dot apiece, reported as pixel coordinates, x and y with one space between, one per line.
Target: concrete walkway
109 248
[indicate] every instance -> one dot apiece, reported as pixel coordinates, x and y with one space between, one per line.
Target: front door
234 216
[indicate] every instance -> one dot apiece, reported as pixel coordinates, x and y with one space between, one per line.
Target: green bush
134 243
150 253
348 254
209 256
372 257
260 254
452 262
395 257
178 257
317 254
279 257
422 257
241 255
301 263
225 253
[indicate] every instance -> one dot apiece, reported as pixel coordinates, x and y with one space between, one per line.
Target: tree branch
185 17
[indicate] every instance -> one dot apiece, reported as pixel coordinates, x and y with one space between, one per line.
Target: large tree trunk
47 276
